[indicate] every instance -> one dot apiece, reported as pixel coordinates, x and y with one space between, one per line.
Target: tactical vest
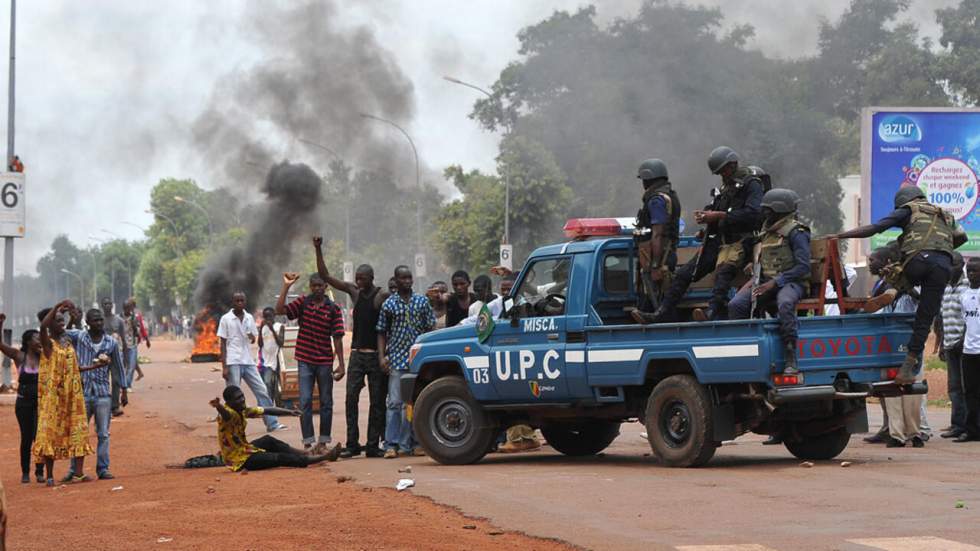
776 251
672 230
734 195
930 228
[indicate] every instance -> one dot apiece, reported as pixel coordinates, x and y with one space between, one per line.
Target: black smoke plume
292 194
316 76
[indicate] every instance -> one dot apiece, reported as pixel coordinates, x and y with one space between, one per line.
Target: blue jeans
322 376
778 302
254 381
398 430
101 408
132 356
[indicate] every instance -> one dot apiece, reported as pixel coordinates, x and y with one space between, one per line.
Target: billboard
936 149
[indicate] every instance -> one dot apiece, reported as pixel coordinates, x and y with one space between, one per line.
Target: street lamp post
81 285
347 210
168 219
180 199
418 179
506 239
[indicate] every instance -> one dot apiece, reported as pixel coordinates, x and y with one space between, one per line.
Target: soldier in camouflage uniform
782 251
929 235
734 215
657 235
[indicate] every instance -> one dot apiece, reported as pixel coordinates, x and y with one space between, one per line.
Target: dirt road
150 507
749 497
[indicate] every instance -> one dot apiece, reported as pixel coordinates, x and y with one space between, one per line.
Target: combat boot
789 352
874 304
906 373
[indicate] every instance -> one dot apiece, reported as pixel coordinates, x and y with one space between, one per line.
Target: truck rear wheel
450 425
824 446
582 438
679 422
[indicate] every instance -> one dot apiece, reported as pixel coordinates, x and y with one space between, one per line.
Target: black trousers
696 270
277 454
971 392
365 365
932 279
26 411
970 365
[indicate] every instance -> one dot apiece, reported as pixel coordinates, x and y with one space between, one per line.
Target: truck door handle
553 336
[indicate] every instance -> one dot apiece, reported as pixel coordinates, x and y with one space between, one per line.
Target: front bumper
789 394
406 384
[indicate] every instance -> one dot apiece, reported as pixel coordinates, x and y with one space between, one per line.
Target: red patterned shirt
318 323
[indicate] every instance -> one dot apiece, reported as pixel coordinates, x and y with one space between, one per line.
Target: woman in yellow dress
62 426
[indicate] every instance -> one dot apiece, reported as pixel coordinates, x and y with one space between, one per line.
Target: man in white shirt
970 362
237 332
271 339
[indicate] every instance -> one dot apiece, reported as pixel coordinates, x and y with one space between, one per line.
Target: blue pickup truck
564 356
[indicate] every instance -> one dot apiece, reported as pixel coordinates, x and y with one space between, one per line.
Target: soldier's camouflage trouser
707 261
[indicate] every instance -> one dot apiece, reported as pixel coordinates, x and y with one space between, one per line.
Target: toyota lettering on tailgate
844 346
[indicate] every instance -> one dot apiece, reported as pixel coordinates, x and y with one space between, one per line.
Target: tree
961 39
470 229
665 83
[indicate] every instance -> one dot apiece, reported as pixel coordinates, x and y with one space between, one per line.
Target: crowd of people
385 324
69 372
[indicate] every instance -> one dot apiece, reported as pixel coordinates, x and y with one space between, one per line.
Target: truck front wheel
679 422
824 446
582 438
450 425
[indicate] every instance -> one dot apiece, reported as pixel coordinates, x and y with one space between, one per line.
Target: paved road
749 497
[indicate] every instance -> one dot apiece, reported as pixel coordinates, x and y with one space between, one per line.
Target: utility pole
8 242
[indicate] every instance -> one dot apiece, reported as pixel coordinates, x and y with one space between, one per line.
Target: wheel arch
433 370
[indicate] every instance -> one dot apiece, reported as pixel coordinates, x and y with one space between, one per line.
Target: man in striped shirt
320 321
100 362
950 328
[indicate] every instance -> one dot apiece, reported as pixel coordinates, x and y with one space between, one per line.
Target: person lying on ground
265 452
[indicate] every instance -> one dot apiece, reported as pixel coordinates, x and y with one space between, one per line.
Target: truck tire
679 422
824 446
450 425
582 438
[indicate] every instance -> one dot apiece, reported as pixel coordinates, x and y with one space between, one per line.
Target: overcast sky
107 90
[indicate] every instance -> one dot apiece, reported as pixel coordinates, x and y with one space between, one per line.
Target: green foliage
470 229
961 40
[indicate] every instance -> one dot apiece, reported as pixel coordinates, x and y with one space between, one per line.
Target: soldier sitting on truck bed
657 235
929 235
781 270
733 215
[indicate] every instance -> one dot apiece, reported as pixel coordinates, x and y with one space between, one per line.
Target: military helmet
908 193
781 201
720 157
651 169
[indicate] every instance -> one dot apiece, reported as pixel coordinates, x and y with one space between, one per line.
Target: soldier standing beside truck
657 235
735 213
929 236
781 259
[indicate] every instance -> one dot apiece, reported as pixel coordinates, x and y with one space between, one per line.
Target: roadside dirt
159 508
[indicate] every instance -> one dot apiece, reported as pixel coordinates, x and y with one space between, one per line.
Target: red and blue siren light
581 228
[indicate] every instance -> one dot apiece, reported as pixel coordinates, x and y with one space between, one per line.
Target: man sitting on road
265 452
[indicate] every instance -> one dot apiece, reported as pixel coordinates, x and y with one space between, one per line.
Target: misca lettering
866 345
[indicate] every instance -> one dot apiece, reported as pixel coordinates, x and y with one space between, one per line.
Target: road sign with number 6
420 265
507 256
12 211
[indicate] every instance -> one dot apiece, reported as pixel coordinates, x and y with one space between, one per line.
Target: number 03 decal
481 376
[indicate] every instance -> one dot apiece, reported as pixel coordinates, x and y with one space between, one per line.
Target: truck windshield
542 291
